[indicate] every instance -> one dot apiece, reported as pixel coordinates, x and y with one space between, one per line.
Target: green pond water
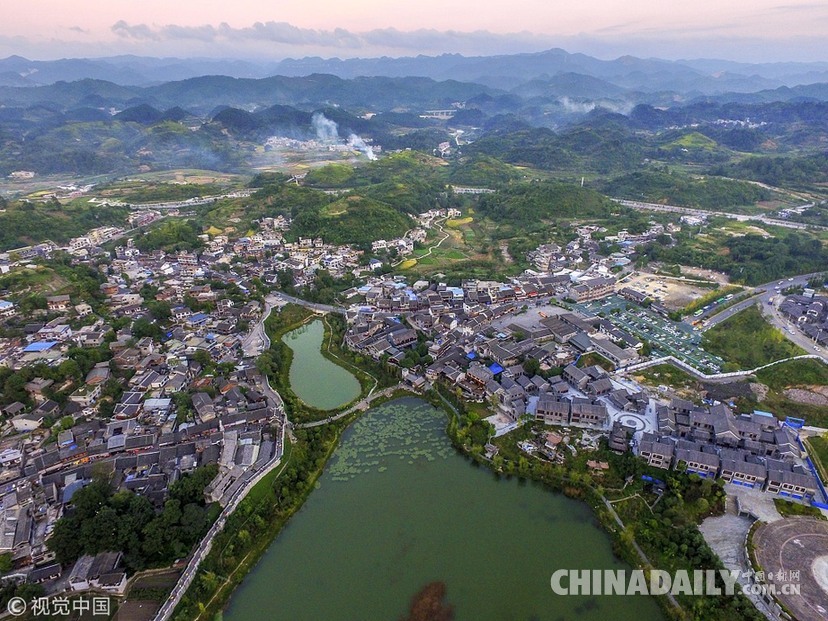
316 380
397 508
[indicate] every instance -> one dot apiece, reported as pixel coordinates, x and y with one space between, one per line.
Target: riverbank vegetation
257 520
275 362
661 517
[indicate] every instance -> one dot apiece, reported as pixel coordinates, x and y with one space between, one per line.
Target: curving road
771 311
741 217
322 308
255 342
431 248
206 544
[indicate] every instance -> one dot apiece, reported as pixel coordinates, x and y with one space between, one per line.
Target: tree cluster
100 520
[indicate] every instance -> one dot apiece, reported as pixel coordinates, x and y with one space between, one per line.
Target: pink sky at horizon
791 29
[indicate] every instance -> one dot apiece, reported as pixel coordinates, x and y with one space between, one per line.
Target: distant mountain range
506 72
552 110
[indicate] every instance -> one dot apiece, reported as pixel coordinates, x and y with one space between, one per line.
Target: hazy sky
761 30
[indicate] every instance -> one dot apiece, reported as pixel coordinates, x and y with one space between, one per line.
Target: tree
202 357
124 521
144 327
531 367
160 310
183 406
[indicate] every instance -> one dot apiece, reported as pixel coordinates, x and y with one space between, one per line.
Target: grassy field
595 358
667 375
693 140
41 279
804 374
462 247
794 373
747 341
457 223
818 450
782 407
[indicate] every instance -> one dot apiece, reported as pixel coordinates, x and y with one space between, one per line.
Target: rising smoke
327 132
326 129
355 142
585 107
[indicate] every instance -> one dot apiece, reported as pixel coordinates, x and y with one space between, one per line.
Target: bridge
360 406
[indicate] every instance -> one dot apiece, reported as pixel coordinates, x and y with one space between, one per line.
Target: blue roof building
40 346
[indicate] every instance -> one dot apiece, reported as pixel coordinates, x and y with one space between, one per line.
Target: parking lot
666 337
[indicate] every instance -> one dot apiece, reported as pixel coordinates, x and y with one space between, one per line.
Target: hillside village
154 376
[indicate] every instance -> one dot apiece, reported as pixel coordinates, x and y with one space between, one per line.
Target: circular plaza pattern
796 545
633 420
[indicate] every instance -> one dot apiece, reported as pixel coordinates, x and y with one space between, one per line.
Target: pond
316 380
397 509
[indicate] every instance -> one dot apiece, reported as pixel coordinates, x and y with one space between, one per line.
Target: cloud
138 32
388 39
813 6
275 40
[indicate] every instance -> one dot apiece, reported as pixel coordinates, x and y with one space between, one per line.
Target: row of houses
733 465
759 433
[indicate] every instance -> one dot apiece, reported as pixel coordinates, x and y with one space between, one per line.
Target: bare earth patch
674 293
815 395
760 390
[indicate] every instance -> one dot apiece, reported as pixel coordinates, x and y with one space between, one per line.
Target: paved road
791 332
725 534
191 202
771 311
326 308
741 217
322 308
253 344
257 341
206 544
